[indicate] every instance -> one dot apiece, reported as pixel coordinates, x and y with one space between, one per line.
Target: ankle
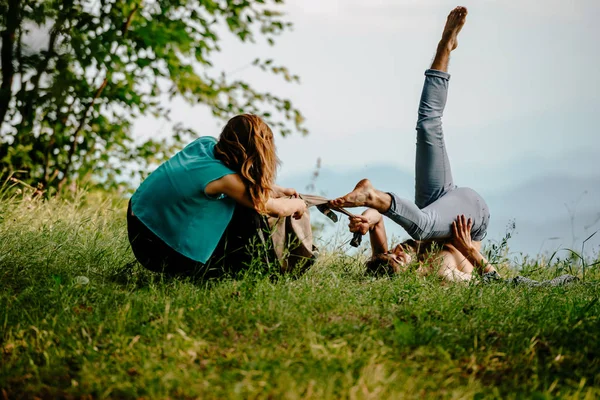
445 46
380 201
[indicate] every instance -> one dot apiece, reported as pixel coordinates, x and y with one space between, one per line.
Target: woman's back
171 202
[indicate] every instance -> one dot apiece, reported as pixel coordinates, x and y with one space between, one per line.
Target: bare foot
362 195
456 20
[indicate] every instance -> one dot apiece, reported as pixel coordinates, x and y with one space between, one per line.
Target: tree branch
83 119
82 122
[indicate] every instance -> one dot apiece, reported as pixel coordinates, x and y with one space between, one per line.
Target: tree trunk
32 95
7 56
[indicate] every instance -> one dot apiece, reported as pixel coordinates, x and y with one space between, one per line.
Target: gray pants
437 199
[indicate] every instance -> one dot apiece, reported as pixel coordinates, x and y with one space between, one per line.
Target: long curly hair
246 146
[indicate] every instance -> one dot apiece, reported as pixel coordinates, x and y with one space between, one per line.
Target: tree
66 110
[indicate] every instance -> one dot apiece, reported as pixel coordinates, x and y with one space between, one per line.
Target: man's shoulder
453 257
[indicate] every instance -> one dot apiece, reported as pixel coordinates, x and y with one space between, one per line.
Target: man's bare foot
456 20
362 196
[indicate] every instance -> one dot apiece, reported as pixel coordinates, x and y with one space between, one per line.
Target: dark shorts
244 242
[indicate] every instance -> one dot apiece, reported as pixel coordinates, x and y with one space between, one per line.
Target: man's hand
359 223
365 222
461 238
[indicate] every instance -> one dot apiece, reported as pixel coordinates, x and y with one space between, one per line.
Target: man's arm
371 221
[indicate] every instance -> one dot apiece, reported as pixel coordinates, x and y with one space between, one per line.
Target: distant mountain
548 197
549 212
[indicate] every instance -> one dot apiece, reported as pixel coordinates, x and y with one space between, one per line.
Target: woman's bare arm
233 186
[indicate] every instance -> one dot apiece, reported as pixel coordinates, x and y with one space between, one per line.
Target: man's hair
411 244
382 264
246 146
385 264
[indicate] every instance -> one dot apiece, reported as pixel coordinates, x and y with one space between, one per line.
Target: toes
454 14
457 16
458 11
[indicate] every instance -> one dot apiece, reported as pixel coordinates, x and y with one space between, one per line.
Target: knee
429 124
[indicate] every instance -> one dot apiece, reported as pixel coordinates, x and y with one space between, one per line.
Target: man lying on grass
453 259
437 199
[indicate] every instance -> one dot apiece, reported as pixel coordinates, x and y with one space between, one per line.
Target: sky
524 86
523 103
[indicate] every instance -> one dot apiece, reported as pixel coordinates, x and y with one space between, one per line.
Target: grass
332 333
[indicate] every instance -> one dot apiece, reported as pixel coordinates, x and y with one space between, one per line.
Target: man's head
394 261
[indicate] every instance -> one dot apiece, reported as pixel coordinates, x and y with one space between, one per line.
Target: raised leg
433 175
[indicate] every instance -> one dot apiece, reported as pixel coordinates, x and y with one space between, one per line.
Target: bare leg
454 23
433 174
365 195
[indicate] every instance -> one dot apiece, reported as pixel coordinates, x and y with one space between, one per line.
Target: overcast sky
525 86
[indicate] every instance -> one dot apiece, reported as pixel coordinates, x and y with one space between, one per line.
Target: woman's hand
289 192
300 208
461 229
279 191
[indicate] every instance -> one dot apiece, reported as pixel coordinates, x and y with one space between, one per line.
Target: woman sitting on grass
199 212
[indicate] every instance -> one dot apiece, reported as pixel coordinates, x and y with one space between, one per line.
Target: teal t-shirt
171 202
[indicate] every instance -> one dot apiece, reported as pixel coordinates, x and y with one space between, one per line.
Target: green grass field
332 333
